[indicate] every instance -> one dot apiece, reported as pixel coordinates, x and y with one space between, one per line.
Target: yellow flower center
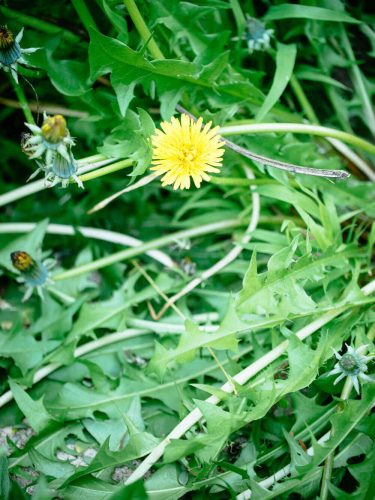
6 37
54 128
187 156
22 260
183 150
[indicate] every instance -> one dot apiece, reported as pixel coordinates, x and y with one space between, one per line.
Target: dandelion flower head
352 364
11 52
54 128
52 145
32 273
183 150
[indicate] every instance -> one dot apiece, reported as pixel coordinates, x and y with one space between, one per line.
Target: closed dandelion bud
22 261
257 36
52 145
349 363
11 51
33 273
352 364
54 129
64 169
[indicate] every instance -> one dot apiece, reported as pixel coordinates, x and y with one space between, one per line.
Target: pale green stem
143 29
304 102
338 145
267 128
300 94
359 83
34 22
238 15
63 297
85 165
93 159
23 101
84 14
328 464
238 181
151 245
163 328
353 157
109 169
143 181
222 369
89 232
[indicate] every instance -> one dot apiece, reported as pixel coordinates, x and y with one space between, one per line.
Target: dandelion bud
11 51
257 36
33 274
52 145
351 364
22 261
54 129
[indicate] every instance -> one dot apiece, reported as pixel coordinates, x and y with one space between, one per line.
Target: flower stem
222 369
237 181
49 108
296 128
33 22
342 148
88 164
238 16
143 181
109 169
84 14
304 102
359 82
145 247
143 29
22 100
88 232
93 159
289 167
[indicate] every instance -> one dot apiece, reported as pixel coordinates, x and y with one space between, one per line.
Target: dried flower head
32 273
184 150
257 36
11 51
52 143
352 364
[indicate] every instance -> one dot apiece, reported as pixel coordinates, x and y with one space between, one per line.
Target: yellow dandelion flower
185 150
